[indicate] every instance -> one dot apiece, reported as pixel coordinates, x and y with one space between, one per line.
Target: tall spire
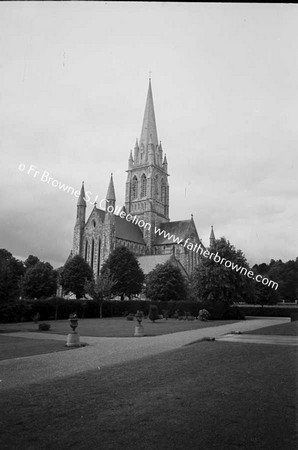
111 197
80 223
81 199
149 124
212 237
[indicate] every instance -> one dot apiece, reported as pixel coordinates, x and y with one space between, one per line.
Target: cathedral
143 225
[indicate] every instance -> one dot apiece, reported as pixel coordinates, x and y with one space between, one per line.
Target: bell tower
147 188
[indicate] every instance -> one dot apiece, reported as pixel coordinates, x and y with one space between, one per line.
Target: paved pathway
260 339
105 351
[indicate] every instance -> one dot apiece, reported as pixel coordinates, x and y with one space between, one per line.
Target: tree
285 274
40 280
214 282
100 289
265 295
74 275
11 271
31 261
123 266
166 282
290 280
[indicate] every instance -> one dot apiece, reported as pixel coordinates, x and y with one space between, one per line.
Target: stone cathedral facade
146 204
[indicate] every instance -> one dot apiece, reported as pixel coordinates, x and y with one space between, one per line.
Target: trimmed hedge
48 309
25 310
270 311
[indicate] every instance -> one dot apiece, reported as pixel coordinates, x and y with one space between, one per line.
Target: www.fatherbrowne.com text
197 247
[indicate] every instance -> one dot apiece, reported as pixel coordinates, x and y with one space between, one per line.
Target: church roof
128 231
149 131
149 262
124 229
180 229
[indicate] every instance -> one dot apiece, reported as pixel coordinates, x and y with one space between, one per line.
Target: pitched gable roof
149 262
128 231
98 213
181 229
124 229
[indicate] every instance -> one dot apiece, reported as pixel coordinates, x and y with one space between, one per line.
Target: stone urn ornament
73 338
139 329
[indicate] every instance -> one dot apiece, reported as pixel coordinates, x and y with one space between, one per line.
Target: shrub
153 313
130 317
204 315
216 309
44 326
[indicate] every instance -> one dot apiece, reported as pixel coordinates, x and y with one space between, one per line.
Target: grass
15 347
117 327
284 329
206 396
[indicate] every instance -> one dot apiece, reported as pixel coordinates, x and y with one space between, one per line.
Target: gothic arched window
156 190
134 188
92 254
143 186
163 191
86 250
98 258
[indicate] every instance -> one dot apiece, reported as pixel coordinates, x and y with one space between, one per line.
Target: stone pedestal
73 340
139 330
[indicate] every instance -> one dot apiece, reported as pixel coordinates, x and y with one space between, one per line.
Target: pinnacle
81 199
111 191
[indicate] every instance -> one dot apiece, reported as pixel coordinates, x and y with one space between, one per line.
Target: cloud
73 94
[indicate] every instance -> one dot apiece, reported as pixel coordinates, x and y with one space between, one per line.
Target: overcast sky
73 86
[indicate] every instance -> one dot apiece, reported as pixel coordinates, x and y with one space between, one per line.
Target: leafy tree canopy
74 275
165 283
213 281
40 280
31 261
11 271
124 267
285 274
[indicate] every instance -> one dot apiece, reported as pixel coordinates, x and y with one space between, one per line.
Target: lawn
217 395
15 347
117 327
285 329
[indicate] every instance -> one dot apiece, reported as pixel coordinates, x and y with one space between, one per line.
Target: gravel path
104 351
